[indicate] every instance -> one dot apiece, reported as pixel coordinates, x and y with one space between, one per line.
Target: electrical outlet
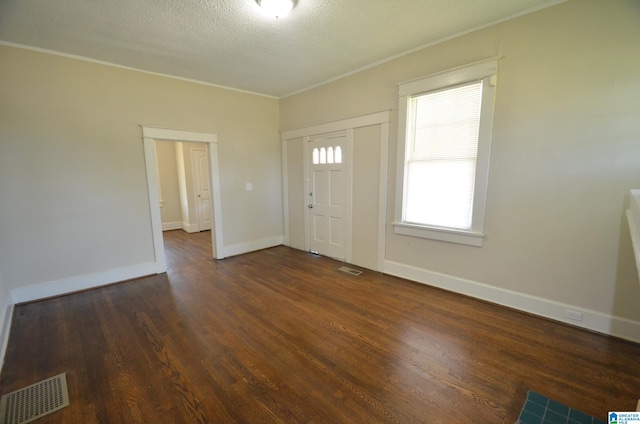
574 315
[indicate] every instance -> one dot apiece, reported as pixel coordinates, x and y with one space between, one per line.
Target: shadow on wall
627 280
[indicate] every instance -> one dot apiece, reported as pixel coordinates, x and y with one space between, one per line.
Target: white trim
450 77
382 195
285 191
6 317
129 68
427 45
478 71
81 282
483 158
214 169
592 320
152 134
348 213
437 233
168 226
340 125
154 203
160 133
633 217
251 246
400 158
190 228
336 78
307 189
376 118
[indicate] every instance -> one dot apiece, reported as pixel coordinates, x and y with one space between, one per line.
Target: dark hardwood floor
282 336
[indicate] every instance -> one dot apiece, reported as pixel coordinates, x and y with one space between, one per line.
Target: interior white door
200 163
327 196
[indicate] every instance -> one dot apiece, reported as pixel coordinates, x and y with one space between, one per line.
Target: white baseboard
81 282
6 315
591 320
190 228
168 226
251 246
84 282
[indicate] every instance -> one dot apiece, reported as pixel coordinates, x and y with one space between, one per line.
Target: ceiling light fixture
276 8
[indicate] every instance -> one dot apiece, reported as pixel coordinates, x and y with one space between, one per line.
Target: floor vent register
349 270
28 404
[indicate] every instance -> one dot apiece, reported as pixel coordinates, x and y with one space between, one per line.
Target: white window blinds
441 156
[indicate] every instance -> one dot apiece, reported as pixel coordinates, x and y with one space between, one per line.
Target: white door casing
347 126
329 188
200 162
149 136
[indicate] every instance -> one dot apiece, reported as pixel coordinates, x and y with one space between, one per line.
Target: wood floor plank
282 336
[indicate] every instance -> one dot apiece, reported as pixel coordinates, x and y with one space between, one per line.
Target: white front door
328 196
200 163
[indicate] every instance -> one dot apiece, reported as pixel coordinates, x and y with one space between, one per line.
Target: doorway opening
205 154
184 191
184 187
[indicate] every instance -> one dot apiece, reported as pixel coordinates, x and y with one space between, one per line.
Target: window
444 142
326 156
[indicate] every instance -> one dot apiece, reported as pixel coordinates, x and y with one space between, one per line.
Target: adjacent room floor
282 335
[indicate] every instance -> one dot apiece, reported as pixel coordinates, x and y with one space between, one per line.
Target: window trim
485 71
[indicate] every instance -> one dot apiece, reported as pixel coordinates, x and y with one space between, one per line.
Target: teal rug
538 409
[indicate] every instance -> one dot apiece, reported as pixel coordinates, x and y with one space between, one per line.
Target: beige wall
296 192
73 193
366 183
73 190
566 150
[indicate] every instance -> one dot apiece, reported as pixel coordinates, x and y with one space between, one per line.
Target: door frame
381 118
196 186
348 186
149 136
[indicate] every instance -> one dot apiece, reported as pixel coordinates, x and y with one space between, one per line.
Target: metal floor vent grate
32 402
349 270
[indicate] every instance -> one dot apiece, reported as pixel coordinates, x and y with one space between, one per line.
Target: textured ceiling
232 43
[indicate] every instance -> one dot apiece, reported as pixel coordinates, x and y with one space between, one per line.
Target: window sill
443 234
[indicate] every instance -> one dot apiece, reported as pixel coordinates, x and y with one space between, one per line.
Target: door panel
203 192
337 235
327 197
319 228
